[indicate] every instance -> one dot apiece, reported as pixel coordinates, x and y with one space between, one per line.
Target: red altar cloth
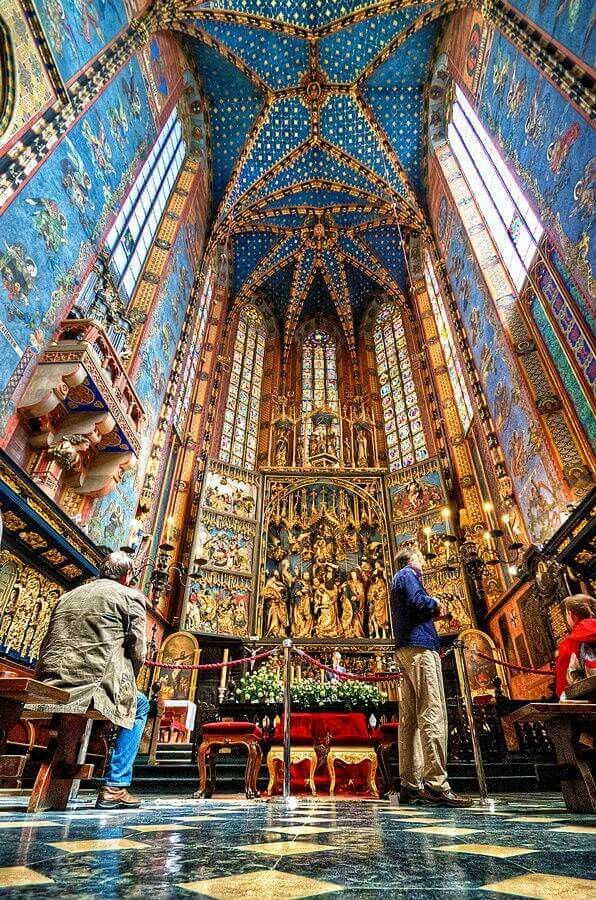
327 729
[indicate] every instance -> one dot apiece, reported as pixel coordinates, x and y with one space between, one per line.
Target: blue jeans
119 769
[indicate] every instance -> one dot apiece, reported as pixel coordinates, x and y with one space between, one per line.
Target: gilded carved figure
277 618
378 602
325 565
361 449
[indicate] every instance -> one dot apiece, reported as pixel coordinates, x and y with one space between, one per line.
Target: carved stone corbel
105 472
49 386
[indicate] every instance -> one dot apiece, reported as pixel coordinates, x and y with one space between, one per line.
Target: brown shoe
443 798
409 796
116 798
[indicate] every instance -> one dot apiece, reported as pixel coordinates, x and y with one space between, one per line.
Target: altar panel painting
325 560
219 597
418 501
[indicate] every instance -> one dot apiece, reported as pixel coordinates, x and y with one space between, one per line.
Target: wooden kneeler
64 766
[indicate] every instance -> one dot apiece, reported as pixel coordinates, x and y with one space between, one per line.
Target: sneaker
116 798
443 798
409 796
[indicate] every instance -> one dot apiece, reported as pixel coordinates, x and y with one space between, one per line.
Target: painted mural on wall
571 22
35 90
573 334
161 65
77 30
326 562
218 600
113 514
538 491
551 148
50 230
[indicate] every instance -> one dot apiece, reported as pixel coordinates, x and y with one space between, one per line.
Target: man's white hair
116 565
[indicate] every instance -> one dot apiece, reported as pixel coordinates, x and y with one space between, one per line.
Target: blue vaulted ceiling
316 116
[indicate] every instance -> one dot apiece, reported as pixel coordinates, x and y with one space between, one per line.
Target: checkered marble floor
175 847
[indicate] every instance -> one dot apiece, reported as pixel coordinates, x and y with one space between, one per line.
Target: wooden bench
15 692
564 722
64 765
584 689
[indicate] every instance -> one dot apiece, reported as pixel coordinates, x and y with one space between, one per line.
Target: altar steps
176 773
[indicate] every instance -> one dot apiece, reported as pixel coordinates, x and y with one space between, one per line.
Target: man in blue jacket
422 709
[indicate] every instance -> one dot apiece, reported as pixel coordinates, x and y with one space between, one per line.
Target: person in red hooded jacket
576 656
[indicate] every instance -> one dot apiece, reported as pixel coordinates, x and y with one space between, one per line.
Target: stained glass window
402 416
241 419
456 375
131 235
509 218
319 379
193 357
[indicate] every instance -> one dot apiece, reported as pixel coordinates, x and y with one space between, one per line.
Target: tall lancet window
241 419
319 379
402 416
130 237
456 375
509 218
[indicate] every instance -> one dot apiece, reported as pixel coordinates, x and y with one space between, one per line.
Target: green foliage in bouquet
263 686
349 695
260 686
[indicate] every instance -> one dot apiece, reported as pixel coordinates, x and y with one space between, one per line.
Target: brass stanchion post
460 655
287 645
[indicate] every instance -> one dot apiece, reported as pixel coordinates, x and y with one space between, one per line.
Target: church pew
564 722
15 692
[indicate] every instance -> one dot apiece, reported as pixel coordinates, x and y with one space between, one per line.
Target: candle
506 520
489 540
427 530
447 516
489 510
224 671
464 519
298 673
292 674
322 676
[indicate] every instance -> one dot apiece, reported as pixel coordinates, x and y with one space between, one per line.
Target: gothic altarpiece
311 553
301 515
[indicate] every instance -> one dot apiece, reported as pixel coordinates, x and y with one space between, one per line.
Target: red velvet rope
349 676
508 665
374 678
207 667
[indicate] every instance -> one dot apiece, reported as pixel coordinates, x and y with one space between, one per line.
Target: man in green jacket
94 647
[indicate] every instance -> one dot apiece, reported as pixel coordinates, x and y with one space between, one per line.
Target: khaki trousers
422 720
